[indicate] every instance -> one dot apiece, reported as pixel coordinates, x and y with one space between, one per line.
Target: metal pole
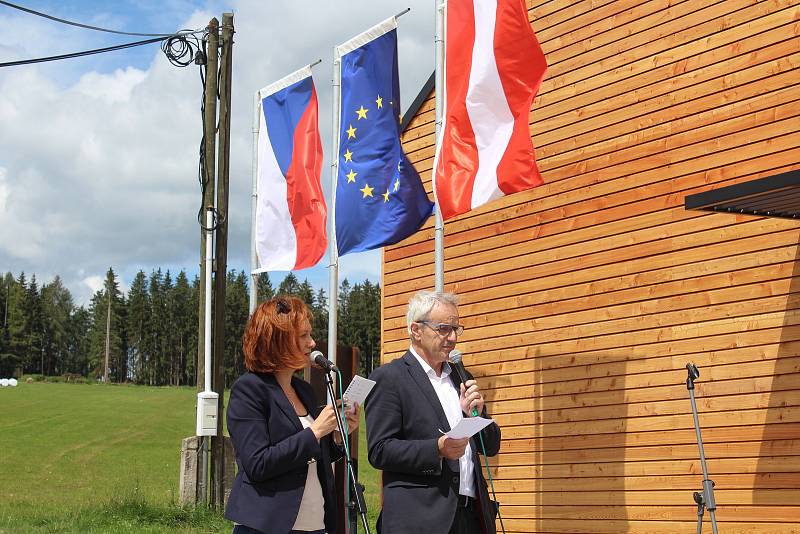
707 499
207 304
333 284
438 232
253 204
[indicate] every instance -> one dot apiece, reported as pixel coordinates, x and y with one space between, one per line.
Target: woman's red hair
272 336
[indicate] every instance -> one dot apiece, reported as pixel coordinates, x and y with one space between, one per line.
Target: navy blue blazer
420 489
273 455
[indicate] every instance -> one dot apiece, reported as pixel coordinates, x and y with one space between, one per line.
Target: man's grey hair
421 304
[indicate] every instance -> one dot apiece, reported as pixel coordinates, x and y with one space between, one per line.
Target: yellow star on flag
367 190
351 176
386 196
362 113
379 101
351 132
348 156
397 184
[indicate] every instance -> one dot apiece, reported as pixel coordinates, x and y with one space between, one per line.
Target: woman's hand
351 413
325 422
351 419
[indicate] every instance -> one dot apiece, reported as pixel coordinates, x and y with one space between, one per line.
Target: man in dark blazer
431 483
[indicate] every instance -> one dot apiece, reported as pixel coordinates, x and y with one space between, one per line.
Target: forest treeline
152 330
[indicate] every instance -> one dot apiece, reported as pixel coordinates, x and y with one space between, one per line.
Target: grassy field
95 458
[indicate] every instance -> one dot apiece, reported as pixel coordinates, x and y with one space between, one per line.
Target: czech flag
290 210
494 66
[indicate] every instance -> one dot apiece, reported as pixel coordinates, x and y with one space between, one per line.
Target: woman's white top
311 516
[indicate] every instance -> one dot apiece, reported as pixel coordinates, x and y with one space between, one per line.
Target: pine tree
264 289
9 358
191 357
169 340
236 315
138 314
320 324
34 326
109 296
57 308
183 309
289 286
306 293
78 345
156 330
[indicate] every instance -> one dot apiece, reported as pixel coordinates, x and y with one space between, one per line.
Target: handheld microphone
455 361
327 365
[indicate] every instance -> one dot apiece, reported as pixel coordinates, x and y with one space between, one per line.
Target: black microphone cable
455 360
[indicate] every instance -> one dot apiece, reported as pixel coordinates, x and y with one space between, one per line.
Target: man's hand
471 397
452 449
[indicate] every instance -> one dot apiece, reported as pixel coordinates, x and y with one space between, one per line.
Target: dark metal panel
773 196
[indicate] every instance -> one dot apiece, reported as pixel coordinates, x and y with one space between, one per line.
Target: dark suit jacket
403 416
273 455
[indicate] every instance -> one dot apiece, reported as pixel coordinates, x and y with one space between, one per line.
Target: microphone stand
706 499
358 489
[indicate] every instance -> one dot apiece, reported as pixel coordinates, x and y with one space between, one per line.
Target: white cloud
114 88
94 283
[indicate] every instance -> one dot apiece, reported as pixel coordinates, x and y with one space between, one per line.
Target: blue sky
98 155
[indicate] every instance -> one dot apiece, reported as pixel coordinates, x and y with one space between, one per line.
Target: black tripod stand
357 489
704 500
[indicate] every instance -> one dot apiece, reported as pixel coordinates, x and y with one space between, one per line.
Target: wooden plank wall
585 298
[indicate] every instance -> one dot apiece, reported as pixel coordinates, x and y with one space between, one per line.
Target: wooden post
220 277
108 339
347 522
209 151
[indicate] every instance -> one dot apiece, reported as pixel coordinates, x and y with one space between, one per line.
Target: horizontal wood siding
585 298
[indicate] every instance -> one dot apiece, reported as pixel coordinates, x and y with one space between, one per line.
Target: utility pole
223 179
108 338
209 171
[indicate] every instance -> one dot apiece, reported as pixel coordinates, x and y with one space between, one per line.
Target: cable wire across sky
156 37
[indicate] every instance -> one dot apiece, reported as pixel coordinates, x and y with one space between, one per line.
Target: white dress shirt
449 399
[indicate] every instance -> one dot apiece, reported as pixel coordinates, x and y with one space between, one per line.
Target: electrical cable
78 24
491 482
79 54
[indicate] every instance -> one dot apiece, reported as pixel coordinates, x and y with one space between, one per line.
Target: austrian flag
494 66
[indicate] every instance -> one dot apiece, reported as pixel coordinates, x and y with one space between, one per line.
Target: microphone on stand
327 365
455 361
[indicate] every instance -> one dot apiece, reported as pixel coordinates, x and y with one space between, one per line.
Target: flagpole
253 203
333 289
438 232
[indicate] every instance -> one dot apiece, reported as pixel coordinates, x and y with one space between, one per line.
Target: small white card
358 390
468 427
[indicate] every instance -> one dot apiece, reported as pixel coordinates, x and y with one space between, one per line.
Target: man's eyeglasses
444 329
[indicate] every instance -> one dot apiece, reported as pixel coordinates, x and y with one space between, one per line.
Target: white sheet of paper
469 426
358 390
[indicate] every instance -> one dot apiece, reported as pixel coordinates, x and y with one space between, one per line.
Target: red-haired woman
284 443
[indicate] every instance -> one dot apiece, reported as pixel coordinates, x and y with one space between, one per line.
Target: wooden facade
585 298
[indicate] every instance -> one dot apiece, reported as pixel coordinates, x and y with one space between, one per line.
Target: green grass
104 458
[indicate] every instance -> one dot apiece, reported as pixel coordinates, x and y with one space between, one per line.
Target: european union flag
379 195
